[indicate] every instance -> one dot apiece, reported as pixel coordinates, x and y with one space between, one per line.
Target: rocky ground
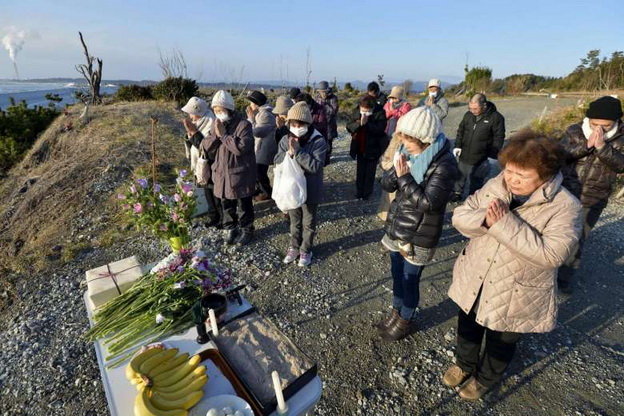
328 309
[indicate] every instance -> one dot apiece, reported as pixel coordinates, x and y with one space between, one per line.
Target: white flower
160 319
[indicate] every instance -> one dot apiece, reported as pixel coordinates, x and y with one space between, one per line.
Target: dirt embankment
66 181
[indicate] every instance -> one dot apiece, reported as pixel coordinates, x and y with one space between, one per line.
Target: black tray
268 407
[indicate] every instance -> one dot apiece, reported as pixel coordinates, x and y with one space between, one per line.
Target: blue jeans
405 281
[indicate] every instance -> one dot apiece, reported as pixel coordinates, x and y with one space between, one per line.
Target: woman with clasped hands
522 226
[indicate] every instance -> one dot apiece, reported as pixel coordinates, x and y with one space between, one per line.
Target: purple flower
156 187
180 269
138 208
163 198
183 173
187 187
142 183
175 217
133 189
121 196
177 197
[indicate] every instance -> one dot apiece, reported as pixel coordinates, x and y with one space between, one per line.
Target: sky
254 40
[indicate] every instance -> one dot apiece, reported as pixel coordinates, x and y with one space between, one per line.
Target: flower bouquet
168 216
158 305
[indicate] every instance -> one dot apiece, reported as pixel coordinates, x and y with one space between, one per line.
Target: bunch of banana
168 384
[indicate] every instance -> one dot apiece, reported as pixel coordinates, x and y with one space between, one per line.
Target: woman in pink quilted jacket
522 225
395 108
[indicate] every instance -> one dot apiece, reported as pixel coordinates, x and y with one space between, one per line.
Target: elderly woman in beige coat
522 226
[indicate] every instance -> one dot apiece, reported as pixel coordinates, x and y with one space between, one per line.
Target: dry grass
556 122
62 193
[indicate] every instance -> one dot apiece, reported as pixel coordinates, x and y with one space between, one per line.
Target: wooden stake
154 123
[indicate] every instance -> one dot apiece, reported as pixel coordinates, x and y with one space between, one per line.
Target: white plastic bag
289 185
202 171
202 168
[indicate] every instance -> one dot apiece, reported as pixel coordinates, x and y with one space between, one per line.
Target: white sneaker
291 255
305 259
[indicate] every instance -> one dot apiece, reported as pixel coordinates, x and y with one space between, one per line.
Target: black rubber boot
244 237
230 236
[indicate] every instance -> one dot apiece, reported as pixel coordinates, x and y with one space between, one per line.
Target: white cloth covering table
120 394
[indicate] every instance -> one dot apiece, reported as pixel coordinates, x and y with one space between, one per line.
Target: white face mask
366 113
433 93
298 131
223 117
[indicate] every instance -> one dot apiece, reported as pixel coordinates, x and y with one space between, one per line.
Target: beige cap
397 92
282 105
434 82
300 112
196 106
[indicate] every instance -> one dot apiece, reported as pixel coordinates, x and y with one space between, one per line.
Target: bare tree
93 76
407 86
308 67
173 65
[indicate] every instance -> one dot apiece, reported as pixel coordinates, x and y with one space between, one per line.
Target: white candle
277 385
213 322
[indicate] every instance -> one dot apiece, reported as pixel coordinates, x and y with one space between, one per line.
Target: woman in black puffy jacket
423 176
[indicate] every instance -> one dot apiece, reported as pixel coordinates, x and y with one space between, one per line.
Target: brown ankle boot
399 330
455 376
388 322
472 390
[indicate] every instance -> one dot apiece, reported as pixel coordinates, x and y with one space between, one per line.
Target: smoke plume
13 41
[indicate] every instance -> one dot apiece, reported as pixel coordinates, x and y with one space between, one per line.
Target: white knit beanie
196 106
420 123
223 99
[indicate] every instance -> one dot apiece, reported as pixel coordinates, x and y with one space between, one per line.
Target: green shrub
19 128
134 93
176 89
478 79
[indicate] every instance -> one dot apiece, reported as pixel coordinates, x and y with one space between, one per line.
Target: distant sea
34 92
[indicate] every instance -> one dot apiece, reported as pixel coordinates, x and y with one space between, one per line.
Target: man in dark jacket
374 91
368 142
328 100
480 136
595 157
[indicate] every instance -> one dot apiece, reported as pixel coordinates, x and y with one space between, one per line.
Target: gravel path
328 310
